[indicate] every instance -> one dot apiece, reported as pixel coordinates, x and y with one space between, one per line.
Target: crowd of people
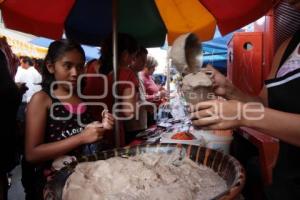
55 112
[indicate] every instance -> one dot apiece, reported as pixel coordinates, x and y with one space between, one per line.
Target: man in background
27 75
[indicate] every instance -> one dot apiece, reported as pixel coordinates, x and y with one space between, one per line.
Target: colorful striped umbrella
89 21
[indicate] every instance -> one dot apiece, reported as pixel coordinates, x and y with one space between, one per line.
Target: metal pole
115 62
169 63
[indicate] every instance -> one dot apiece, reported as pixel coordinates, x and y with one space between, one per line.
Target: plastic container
217 142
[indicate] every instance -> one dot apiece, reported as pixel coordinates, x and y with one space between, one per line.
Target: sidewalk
16 191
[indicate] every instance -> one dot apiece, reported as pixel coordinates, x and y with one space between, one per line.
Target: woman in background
154 92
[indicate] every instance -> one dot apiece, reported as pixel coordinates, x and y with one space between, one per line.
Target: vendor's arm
224 87
285 126
222 115
36 150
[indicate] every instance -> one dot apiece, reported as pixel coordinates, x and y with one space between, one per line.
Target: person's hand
217 114
161 88
222 86
92 132
108 120
159 95
163 94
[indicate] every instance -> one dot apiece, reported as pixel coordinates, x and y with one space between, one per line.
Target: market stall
202 20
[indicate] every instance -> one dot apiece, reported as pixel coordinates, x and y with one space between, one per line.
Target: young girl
56 116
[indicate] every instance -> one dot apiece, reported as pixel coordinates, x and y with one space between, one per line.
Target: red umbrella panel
231 14
37 17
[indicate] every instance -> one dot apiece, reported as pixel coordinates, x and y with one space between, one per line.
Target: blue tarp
90 52
215 51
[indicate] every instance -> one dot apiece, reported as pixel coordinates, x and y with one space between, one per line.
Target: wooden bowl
225 165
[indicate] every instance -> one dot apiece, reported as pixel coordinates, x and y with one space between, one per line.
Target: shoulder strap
54 99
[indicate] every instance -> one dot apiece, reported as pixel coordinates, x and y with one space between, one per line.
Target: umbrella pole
115 64
169 62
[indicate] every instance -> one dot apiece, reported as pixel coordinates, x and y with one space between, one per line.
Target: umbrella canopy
149 21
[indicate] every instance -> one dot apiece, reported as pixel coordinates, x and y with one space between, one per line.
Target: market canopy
90 21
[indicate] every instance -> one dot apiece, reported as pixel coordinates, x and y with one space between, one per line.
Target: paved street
16 191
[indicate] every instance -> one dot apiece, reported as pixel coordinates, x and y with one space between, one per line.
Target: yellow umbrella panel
181 16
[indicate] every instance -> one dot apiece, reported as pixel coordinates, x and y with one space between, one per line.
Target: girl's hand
92 132
108 120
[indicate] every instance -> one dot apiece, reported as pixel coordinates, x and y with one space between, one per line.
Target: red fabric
39 17
149 84
124 74
151 89
234 14
136 142
96 86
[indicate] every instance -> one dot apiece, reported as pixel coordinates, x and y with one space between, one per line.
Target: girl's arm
36 150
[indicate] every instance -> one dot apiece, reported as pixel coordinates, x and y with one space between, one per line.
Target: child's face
68 68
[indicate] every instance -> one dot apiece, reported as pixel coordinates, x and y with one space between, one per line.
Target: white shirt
32 78
291 64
